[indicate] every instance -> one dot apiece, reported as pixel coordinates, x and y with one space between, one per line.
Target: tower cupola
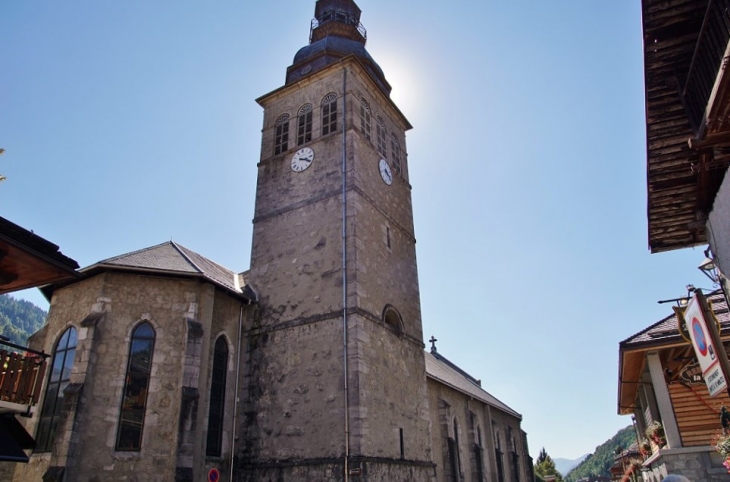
335 33
337 17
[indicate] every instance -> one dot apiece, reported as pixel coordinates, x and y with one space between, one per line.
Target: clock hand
305 159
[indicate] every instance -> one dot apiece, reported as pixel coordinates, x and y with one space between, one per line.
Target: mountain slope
19 319
600 461
566 465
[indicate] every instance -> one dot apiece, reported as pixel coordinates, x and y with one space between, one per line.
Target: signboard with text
704 348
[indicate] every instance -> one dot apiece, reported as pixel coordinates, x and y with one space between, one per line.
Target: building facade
310 366
661 386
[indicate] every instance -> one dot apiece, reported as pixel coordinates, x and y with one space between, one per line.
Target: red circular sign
700 339
214 475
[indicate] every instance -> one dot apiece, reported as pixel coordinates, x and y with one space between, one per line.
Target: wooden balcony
687 116
704 90
21 378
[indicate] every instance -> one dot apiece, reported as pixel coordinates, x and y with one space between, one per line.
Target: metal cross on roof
433 341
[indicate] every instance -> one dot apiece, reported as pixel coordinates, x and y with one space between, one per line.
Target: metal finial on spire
433 341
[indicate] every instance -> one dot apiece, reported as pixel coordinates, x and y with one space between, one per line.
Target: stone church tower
336 384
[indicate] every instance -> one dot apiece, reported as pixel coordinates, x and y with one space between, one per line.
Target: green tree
546 466
600 461
19 319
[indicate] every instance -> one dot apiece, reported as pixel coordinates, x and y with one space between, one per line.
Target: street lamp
709 268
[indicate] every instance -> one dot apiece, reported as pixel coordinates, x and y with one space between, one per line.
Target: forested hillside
600 461
19 319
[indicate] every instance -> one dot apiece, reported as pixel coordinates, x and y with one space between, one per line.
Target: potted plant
645 448
655 433
722 447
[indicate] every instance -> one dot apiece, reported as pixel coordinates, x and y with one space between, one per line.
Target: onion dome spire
336 33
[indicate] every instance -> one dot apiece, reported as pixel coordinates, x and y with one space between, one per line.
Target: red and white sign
705 350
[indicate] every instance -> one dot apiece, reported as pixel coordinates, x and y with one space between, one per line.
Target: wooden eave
670 34
687 154
674 352
632 364
27 260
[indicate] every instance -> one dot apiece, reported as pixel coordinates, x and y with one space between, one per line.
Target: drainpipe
235 392
344 273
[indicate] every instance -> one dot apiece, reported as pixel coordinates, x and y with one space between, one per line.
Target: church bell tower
336 383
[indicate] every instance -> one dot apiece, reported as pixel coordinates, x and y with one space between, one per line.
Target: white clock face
385 172
302 159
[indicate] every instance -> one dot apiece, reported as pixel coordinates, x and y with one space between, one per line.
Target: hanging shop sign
705 349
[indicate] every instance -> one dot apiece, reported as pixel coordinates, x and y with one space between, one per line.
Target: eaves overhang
28 260
96 269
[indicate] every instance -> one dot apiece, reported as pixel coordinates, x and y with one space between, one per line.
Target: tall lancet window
304 124
58 380
329 114
136 387
365 119
217 407
380 133
395 150
281 136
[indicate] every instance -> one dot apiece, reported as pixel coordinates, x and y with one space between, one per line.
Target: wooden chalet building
686 50
687 119
26 261
660 381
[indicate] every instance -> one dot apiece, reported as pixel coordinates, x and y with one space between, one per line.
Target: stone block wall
695 463
105 309
473 418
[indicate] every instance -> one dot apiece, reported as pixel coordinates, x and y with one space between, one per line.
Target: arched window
392 319
380 134
216 410
63 359
498 453
304 124
395 150
329 114
365 119
136 386
457 469
281 137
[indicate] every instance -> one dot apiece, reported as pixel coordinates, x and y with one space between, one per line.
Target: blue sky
127 124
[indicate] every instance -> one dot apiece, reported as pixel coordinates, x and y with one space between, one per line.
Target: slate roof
665 330
173 258
443 371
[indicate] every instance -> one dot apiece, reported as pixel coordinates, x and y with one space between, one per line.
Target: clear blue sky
127 124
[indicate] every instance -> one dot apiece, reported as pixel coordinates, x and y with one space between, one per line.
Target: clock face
302 159
385 172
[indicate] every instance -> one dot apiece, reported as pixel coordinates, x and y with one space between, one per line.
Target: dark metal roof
665 331
441 370
173 258
330 50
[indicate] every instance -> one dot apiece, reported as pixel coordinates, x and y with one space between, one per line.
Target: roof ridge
711 294
181 249
124 255
485 396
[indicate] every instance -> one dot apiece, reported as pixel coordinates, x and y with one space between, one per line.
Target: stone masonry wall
171 306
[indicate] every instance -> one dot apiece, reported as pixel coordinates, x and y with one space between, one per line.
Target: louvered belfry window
329 114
